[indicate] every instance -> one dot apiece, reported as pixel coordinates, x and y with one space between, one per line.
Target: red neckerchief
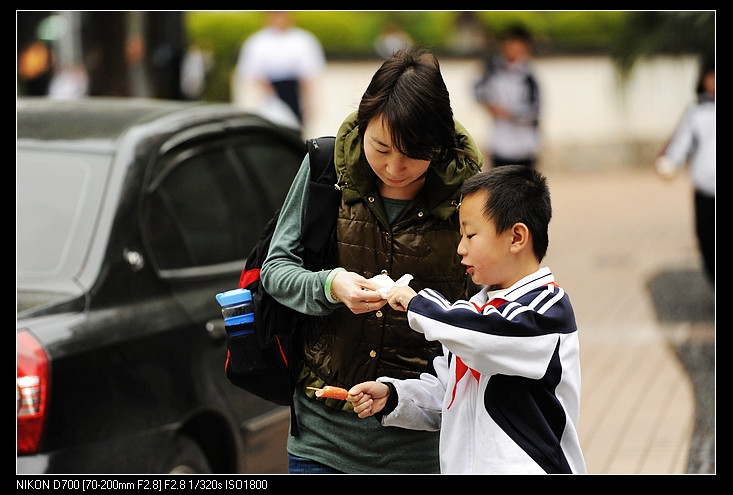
461 367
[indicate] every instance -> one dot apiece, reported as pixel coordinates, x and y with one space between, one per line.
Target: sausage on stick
329 392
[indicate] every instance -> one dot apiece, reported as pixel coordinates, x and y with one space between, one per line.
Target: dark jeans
289 92
301 465
705 230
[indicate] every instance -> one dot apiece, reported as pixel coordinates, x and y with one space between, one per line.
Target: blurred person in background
196 65
693 143
282 60
69 82
508 90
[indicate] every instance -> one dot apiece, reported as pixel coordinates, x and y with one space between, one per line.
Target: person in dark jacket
509 91
400 160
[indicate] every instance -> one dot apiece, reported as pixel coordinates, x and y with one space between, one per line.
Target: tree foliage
651 33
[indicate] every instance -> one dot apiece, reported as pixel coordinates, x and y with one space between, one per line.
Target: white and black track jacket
505 392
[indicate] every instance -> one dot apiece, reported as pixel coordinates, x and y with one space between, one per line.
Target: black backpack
262 362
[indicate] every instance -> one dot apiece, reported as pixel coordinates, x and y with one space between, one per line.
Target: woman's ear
520 237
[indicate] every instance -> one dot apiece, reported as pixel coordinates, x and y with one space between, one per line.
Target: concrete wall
591 118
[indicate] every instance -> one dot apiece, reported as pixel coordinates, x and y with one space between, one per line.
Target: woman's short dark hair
516 193
409 92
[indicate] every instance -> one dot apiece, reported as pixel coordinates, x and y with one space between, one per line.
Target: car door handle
216 329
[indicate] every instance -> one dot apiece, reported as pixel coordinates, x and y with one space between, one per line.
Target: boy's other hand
368 398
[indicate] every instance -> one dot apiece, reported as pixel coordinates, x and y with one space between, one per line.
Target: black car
132 215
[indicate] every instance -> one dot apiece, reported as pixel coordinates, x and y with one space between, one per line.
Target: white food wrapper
385 282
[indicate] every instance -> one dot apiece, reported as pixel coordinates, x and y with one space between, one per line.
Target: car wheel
186 457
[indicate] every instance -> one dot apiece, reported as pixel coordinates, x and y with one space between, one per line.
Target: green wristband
327 286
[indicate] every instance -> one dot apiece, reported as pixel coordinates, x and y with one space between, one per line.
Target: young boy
505 390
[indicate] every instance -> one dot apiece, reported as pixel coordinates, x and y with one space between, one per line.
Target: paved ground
622 246
697 353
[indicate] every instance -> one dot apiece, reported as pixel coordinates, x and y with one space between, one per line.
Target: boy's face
486 254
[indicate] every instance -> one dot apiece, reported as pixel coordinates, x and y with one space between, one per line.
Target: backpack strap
320 152
319 224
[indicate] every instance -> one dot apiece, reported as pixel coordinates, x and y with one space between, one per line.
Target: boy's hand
400 297
368 398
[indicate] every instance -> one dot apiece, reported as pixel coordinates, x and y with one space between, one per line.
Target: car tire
186 457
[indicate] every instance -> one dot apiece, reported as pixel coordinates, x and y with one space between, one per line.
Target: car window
270 164
210 200
59 196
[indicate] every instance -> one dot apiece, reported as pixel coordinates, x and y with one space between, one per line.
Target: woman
400 159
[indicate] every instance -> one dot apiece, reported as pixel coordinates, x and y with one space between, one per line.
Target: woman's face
401 177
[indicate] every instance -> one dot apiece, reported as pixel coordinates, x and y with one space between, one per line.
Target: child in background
505 390
510 92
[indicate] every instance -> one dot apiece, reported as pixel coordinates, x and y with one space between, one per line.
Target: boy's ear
520 237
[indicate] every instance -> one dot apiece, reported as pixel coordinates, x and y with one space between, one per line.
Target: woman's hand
368 398
359 294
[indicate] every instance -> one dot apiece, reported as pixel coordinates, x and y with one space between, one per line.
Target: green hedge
351 34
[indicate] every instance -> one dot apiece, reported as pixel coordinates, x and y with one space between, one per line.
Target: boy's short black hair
516 193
